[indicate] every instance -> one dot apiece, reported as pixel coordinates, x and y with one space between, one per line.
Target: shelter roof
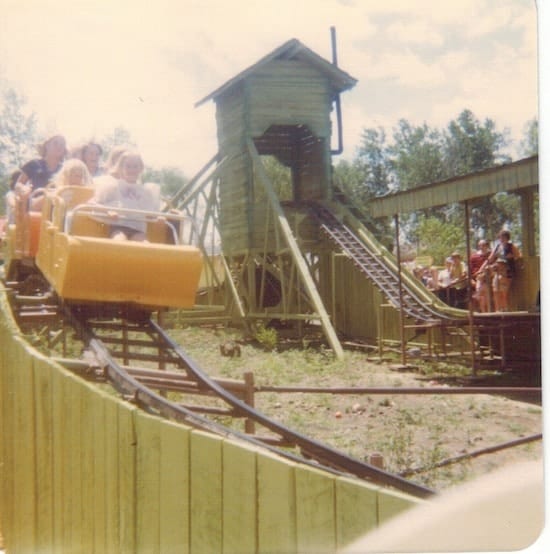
290 50
509 177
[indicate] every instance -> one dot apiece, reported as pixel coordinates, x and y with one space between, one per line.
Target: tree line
418 155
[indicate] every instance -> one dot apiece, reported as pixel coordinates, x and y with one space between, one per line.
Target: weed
406 417
400 448
266 336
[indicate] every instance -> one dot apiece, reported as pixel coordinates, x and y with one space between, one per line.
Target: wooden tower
281 108
293 247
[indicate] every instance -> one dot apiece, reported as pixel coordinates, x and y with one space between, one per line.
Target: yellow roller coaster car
83 265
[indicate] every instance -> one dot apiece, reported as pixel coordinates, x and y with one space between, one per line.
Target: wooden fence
84 471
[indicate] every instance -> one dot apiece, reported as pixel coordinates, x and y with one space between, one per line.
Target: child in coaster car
125 191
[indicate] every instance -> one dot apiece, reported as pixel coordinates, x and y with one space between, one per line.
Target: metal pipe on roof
337 103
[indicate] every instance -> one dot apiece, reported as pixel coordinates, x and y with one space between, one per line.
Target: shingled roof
290 50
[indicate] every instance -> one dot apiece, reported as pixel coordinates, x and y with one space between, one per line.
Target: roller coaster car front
83 265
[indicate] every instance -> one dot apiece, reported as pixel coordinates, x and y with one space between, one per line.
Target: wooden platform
514 337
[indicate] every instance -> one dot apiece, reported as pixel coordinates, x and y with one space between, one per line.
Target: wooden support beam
298 258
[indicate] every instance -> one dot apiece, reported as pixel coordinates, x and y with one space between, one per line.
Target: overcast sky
89 66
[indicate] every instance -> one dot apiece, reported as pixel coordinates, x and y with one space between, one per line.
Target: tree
170 179
120 136
420 155
17 134
530 143
438 238
373 164
280 175
417 155
368 176
17 130
471 146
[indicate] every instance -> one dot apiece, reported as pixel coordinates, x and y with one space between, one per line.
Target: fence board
99 429
239 499
87 455
24 507
44 453
7 410
356 510
206 493
127 477
147 483
174 488
59 437
112 497
392 503
276 505
316 529
73 471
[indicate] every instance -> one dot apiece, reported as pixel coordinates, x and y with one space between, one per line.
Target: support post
249 426
469 288
401 312
305 276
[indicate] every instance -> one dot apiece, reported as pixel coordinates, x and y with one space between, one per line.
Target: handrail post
469 287
249 425
400 281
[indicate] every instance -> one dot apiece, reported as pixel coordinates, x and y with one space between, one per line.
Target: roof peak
289 50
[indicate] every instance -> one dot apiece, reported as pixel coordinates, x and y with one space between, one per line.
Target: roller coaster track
372 264
145 366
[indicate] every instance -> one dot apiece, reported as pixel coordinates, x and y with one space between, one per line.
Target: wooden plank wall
288 92
284 92
82 471
235 199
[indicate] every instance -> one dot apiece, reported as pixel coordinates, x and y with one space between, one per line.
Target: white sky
87 67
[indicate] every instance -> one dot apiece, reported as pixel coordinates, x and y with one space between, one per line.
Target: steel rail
474 454
401 390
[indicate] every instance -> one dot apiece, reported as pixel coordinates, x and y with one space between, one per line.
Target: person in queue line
503 260
501 286
125 191
480 256
481 277
453 282
429 277
482 290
